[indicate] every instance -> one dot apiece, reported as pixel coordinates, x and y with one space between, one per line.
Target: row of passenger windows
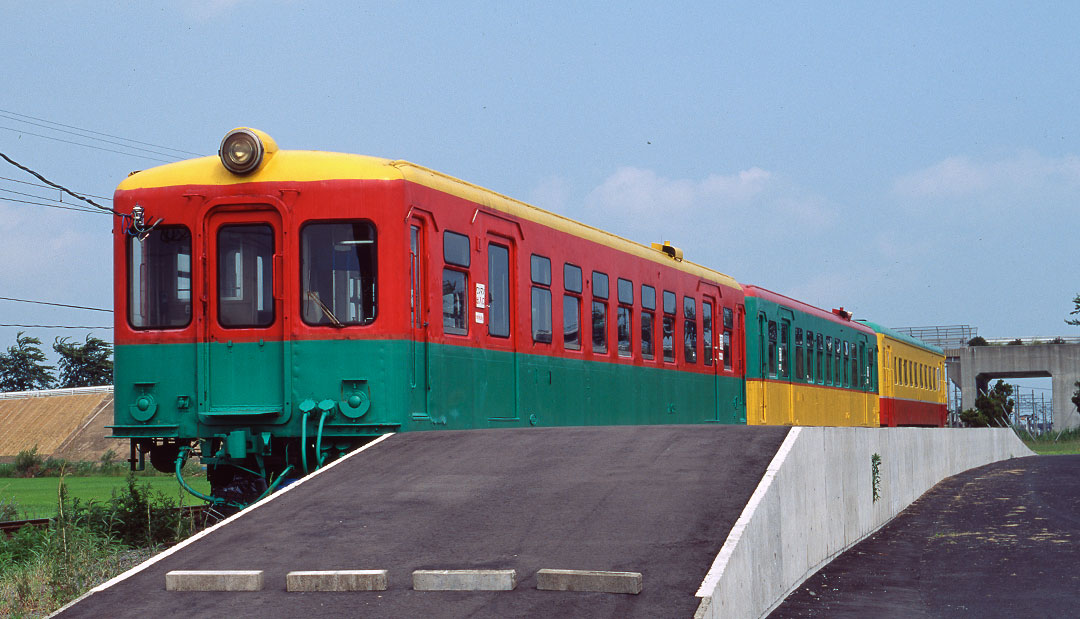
598 305
338 266
819 358
909 373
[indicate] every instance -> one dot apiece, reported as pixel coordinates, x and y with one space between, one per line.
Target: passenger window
454 304
456 249
571 322
690 329
729 322
809 356
159 278
498 290
828 360
847 357
772 348
572 307
648 305
820 355
572 278
245 274
599 312
623 319
541 299
707 332
669 326
836 366
799 364
784 361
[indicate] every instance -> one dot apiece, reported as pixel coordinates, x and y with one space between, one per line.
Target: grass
1052 443
36 497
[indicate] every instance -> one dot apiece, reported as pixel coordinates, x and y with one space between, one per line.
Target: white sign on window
481 297
479 318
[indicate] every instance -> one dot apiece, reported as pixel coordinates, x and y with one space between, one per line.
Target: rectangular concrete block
214 580
589 580
464 580
337 580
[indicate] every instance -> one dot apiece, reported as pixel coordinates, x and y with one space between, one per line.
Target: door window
245 274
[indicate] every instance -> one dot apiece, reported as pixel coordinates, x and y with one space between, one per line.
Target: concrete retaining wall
816 500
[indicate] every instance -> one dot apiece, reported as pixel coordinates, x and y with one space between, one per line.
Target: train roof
307 166
776 297
903 337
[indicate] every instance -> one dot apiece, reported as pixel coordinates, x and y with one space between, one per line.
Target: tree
84 365
978 340
22 367
1074 321
992 409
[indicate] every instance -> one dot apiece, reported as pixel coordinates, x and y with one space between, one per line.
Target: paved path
1002 540
658 500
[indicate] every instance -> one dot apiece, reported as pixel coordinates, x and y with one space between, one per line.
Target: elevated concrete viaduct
973 367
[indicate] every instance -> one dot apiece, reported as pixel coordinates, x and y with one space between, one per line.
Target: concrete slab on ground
659 500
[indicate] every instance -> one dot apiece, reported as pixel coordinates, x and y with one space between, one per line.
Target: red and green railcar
276 308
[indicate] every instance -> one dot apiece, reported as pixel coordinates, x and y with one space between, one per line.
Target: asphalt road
658 500
1002 540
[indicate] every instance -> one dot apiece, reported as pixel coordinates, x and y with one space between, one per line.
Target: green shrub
28 462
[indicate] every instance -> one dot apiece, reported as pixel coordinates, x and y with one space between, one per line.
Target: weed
875 476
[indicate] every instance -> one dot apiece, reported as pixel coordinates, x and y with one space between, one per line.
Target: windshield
338 268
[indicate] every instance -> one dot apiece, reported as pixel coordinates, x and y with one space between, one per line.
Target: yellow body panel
920 375
770 402
307 166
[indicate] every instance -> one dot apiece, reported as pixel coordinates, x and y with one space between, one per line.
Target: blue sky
916 163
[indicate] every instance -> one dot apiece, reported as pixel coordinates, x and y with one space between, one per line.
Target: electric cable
51 122
83 307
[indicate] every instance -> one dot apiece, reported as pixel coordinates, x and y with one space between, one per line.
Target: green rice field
36 497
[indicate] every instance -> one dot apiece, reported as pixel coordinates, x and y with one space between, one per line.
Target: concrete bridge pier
976 366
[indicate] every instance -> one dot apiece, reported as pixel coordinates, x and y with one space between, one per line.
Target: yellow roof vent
673 252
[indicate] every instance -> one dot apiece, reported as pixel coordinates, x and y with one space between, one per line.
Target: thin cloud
639 191
961 177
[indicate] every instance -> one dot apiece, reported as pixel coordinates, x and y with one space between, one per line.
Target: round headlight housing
241 151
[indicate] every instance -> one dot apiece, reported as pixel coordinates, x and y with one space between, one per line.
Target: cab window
338 273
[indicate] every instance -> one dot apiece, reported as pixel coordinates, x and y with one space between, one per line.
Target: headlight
241 151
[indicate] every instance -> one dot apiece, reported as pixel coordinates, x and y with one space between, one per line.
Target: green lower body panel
365 388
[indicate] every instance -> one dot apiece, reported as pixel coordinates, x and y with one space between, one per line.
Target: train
276 309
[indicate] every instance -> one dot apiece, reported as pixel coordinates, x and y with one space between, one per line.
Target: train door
766 358
243 355
712 354
783 353
419 386
495 306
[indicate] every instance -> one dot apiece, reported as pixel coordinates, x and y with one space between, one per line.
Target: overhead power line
89 137
52 184
101 148
83 307
15 180
158 146
78 209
